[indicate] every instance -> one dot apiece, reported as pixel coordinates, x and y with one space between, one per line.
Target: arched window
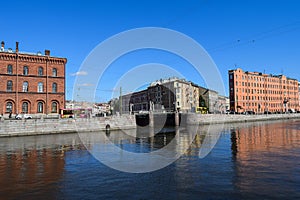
54 88
25 86
40 107
40 71
40 87
9 86
54 72
25 107
9 69
25 70
54 107
9 107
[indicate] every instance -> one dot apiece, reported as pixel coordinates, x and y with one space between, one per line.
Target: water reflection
265 137
267 159
32 164
139 150
242 161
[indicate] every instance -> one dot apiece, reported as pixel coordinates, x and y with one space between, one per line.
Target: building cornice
31 58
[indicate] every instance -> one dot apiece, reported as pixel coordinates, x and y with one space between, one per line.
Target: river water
258 160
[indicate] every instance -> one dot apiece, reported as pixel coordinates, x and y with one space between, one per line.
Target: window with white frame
40 107
25 70
9 86
25 86
54 72
25 107
54 107
9 107
9 69
40 71
40 87
54 88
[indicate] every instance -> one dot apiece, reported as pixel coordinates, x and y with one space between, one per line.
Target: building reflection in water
162 146
31 165
250 158
265 157
264 137
150 139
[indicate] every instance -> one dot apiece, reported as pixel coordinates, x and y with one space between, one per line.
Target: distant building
79 105
31 82
223 104
114 105
174 94
136 101
101 108
299 91
258 92
211 99
167 95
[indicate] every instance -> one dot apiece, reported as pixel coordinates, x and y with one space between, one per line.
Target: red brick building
31 83
258 92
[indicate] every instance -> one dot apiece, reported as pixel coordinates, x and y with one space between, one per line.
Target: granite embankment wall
55 126
222 118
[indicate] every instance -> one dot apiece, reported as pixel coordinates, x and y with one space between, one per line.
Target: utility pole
120 100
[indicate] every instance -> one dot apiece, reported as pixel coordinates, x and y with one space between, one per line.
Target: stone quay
10 128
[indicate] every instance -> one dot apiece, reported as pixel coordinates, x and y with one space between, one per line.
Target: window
40 87
25 70
40 71
25 107
25 86
54 72
54 107
54 88
9 86
9 69
40 107
9 107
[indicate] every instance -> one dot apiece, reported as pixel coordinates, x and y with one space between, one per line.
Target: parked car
267 112
278 112
291 111
25 116
249 112
233 112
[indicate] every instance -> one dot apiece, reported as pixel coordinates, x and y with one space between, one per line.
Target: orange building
31 82
258 92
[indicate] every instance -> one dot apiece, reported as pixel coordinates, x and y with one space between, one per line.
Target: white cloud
80 73
85 84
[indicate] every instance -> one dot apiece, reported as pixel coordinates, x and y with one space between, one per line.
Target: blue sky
256 35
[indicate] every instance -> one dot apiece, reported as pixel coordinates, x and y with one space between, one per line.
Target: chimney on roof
47 52
2 44
17 47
